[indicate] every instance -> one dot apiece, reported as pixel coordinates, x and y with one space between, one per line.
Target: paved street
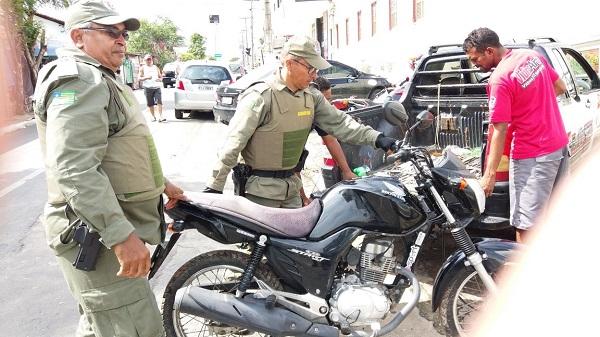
35 296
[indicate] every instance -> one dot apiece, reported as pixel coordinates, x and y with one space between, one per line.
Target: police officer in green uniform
271 125
102 169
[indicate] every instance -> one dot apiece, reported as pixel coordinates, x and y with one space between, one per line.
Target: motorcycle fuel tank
377 204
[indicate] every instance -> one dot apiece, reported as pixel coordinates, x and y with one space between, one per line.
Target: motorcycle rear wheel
221 271
461 304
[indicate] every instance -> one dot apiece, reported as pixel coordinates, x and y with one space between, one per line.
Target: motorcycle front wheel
461 303
219 271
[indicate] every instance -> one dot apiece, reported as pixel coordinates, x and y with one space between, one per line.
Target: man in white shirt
151 78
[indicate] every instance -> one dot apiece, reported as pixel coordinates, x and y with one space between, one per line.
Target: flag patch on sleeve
64 97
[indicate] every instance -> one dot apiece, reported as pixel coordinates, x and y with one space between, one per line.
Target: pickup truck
447 84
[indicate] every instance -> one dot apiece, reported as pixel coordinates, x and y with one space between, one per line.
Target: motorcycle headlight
475 187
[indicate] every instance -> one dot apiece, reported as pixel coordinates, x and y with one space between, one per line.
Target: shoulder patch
64 97
259 87
66 67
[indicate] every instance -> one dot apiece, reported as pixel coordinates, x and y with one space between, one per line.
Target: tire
374 92
178 114
468 288
232 264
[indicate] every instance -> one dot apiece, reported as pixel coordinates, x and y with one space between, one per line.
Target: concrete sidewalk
17 122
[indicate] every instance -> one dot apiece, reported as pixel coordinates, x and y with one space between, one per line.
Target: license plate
205 87
227 100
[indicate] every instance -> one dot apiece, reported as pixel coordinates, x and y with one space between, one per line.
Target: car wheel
178 114
374 92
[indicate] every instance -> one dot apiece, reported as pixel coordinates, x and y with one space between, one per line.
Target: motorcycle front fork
465 243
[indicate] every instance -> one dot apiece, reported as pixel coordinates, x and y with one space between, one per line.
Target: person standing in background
152 81
127 73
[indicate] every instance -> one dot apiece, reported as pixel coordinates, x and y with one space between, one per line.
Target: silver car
197 85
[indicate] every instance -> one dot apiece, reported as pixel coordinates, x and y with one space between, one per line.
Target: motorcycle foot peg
345 329
270 301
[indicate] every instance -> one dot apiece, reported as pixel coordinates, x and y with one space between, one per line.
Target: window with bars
418 9
331 37
393 13
358 14
373 18
347 31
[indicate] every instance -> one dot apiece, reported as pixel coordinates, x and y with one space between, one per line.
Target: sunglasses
112 32
311 70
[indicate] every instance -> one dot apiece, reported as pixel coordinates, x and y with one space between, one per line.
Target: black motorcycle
338 266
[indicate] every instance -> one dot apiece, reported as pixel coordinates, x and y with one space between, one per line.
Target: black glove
387 143
210 190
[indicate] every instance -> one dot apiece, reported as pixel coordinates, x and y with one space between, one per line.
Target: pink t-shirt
521 92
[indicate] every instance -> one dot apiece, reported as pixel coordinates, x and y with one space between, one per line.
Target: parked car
169 74
197 84
345 81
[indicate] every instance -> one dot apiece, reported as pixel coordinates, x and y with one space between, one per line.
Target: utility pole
245 38
252 31
252 57
268 27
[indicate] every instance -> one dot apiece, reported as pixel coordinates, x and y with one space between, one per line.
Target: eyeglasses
112 32
311 70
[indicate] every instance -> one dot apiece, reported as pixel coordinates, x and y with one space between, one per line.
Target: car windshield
215 74
256 75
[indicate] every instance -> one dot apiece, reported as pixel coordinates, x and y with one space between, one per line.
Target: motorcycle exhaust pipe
248 313
412 303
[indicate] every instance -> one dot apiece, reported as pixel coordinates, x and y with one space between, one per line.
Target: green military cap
97 11
305 48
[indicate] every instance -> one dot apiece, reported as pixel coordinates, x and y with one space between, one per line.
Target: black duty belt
273 174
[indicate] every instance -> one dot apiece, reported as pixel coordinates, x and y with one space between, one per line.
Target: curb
16 126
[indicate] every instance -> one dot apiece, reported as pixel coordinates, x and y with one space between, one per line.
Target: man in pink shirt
522 91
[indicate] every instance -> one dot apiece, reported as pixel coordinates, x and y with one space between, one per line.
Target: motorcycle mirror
395 113
425 119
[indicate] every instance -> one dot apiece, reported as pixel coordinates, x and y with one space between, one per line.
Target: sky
192 17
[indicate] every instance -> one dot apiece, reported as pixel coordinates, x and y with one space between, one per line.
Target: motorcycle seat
293 223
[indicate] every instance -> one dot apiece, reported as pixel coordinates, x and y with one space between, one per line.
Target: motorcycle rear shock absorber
255 258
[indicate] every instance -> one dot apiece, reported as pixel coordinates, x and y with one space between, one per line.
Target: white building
55 34
380 36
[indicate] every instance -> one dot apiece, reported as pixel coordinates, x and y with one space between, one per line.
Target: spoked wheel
219 271
462 303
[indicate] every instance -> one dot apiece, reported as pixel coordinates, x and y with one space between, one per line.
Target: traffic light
248 51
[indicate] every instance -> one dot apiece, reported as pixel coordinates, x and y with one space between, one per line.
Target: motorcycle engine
362 299
356 304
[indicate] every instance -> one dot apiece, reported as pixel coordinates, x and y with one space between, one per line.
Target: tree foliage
197 48
187 57
32 31
157 38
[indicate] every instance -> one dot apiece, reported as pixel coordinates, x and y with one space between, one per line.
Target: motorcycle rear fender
497 252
